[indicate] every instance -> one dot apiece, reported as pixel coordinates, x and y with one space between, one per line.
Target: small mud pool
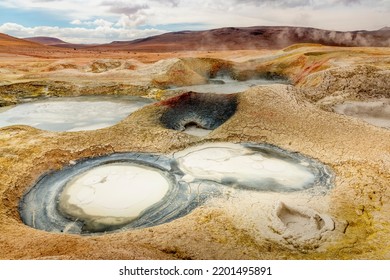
373 112
72 114
136 190
227 85
252 166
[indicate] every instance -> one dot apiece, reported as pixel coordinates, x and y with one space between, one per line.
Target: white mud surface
197 131
113 194
71 114
243 167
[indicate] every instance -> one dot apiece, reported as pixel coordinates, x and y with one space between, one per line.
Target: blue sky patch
32 17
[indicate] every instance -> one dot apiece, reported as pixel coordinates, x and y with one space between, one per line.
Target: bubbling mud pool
72 114
373 112
137 190
224 85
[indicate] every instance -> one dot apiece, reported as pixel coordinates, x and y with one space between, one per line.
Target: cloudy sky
100 21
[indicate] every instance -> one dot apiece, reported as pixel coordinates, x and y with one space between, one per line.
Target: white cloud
124 8
131 21
102 22
97 22
130 14
76 22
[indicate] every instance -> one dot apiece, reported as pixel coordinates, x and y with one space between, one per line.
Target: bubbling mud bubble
72 114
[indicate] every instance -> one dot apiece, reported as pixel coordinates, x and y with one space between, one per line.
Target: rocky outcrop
335 85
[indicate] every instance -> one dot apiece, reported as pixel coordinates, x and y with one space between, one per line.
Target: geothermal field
164 149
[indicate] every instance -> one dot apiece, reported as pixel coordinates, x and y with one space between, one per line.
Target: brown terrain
297 117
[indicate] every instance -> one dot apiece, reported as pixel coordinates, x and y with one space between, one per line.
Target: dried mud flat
349 221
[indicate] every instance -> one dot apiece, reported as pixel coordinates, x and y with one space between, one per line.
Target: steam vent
156 150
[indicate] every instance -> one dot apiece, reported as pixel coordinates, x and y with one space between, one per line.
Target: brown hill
9 41
55 42
49 41
12 45
231 38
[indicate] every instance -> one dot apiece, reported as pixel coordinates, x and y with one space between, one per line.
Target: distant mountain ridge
228 38
257 37
55 42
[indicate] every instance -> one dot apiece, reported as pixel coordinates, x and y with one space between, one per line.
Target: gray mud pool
72 113
224 85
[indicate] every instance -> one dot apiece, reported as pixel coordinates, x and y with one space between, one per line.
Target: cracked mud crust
237 225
